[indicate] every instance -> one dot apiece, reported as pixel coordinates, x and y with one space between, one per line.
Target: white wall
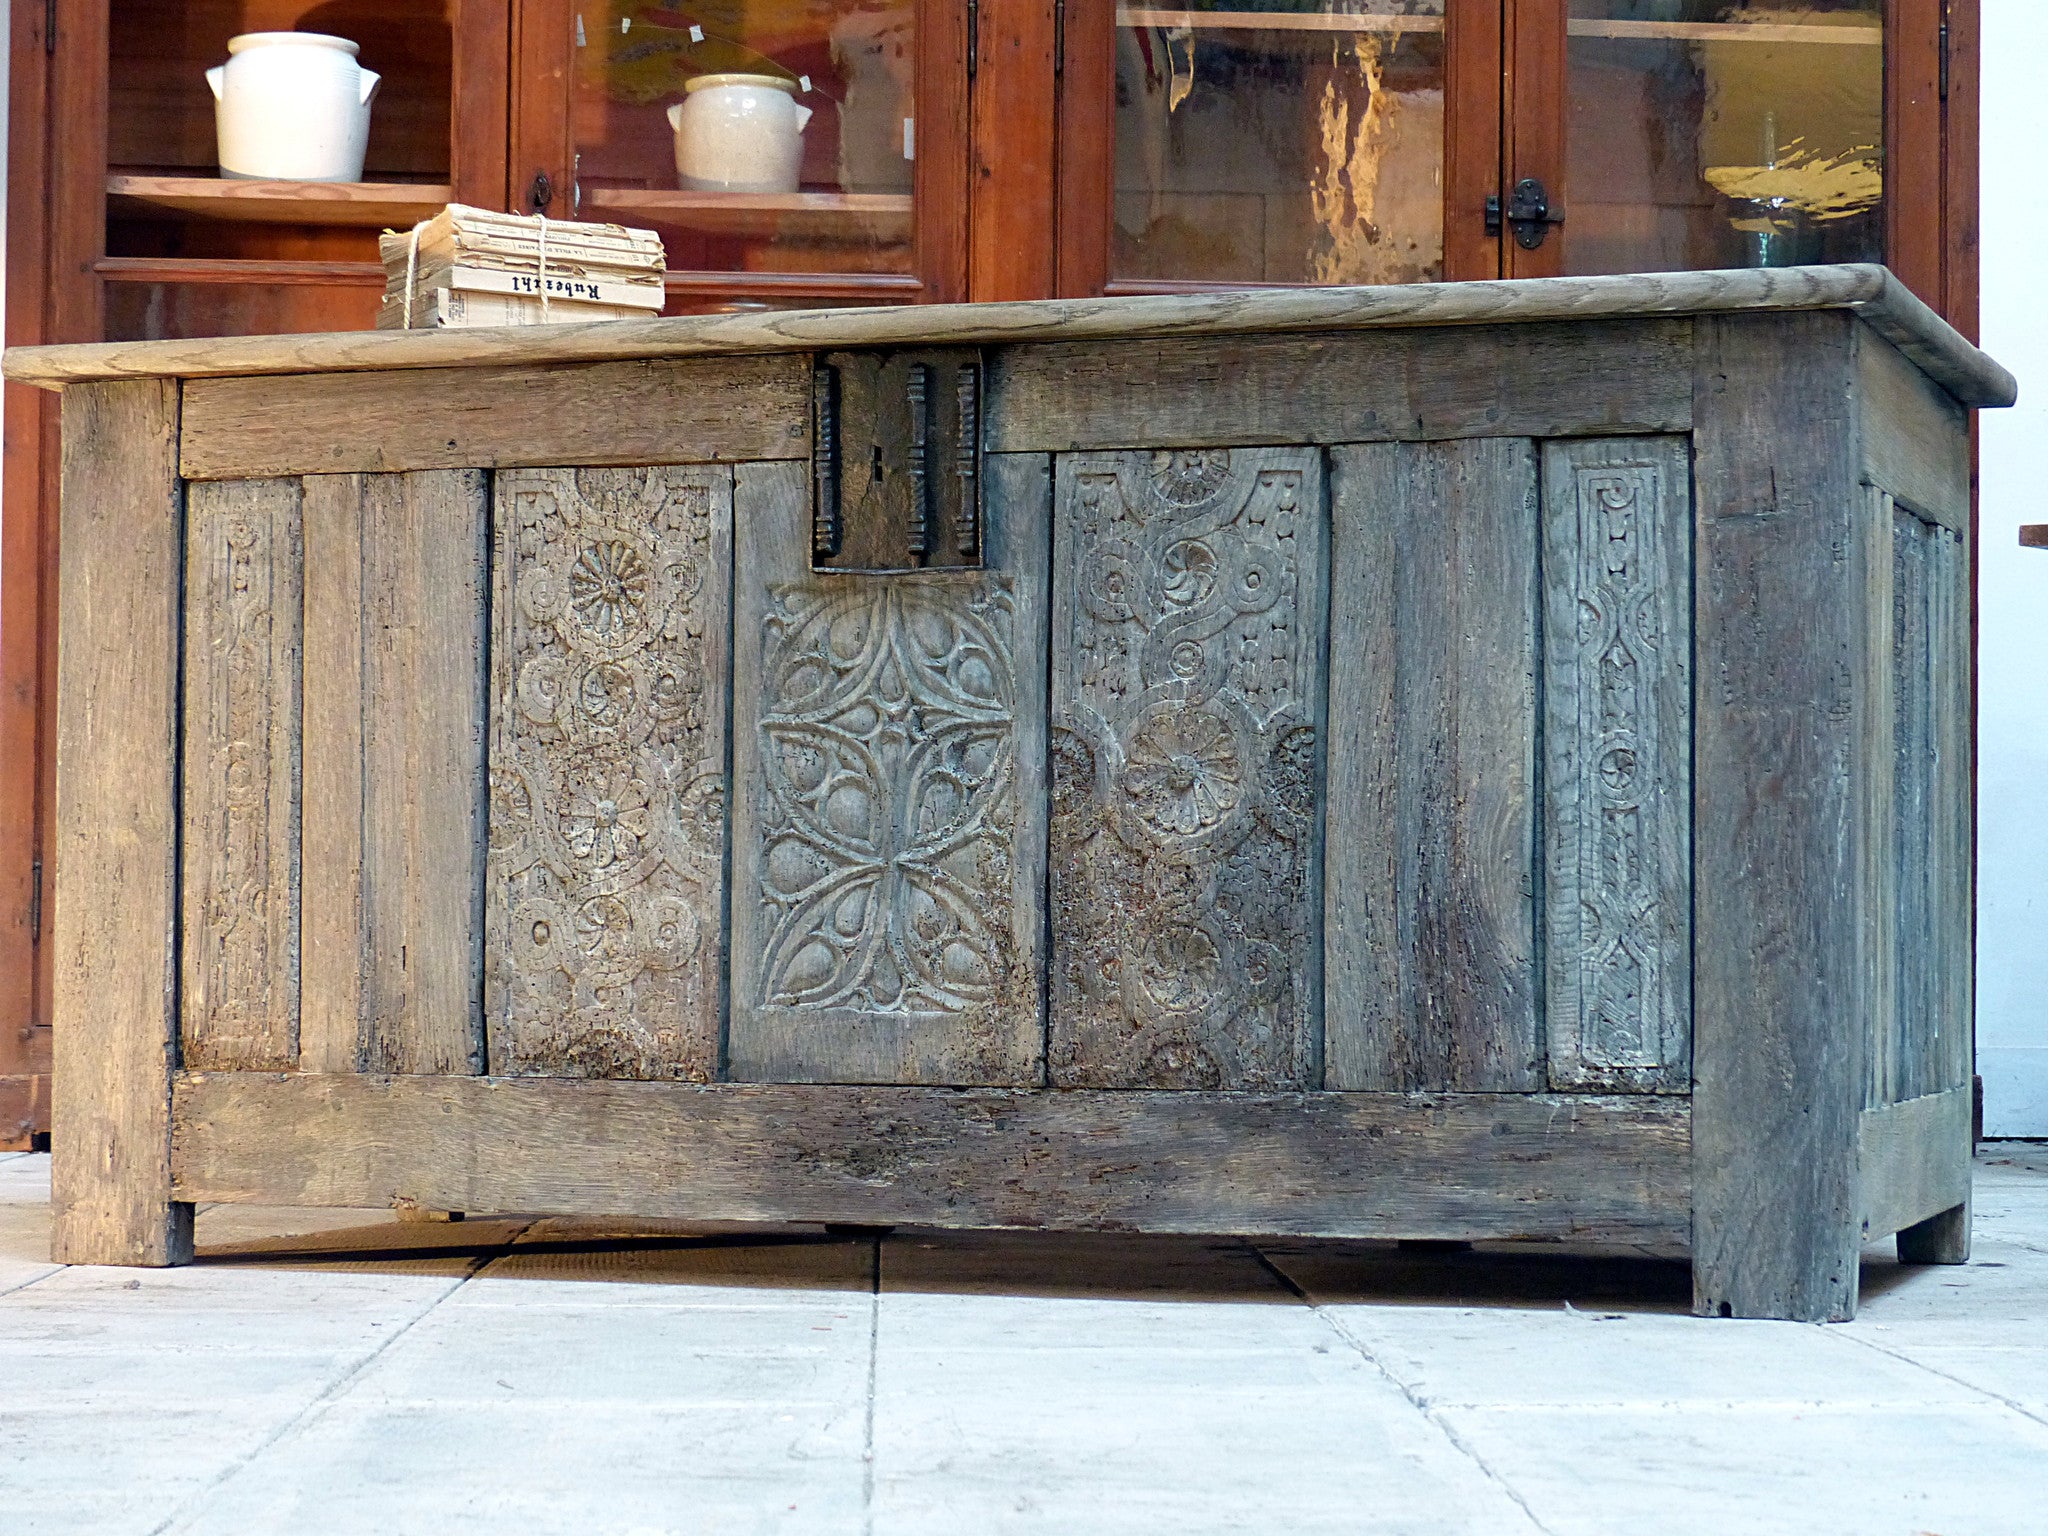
2012 861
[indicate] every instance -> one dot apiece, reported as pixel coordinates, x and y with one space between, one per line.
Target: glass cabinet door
1279 141
1705 133
774 144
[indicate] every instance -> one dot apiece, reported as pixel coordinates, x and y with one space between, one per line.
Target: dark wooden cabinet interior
957 150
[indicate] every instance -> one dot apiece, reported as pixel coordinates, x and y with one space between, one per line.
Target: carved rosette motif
1184 759
607 807
1618 640
888 797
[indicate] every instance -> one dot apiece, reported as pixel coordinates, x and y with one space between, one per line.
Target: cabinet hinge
973 37
1942 88
50 27
35 902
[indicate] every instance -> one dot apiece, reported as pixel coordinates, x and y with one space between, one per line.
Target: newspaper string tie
412 265
543 267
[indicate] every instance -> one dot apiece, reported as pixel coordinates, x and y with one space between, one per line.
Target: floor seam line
1969 1386
54 1269
867 1476
1418 1403
327 1396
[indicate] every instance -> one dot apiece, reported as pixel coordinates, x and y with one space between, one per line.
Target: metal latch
1529 212
896 460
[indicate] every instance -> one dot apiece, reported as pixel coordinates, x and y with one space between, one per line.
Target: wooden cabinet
1483 762
986 150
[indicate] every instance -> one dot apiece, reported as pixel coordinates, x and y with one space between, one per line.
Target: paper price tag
696 33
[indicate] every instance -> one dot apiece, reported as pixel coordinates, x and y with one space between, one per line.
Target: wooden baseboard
1913 1161
1322 1164
24 1111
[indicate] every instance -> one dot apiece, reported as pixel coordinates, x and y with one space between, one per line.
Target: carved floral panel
1187 696
607 808
1616 742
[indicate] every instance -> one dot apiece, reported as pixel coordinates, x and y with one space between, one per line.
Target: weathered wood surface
889 737
680 412
606 876
1332 387
1341 1165
1870 292
1913 1164
1187 707
1913 437
1429 929
240 790
114 965
1617 664
392 856
1785 737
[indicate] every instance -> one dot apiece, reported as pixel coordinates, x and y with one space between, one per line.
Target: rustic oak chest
1457 761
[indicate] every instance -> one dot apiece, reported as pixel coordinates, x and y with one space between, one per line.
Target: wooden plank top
1869 291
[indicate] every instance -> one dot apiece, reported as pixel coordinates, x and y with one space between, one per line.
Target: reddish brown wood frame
1013 188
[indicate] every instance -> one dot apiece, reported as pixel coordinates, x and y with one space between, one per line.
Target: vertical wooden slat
1187 710
1785 736
888 866
1916 960
1473 137
409 731
331 835
1617 577
605 896
1885 933
1430 924
1913 145
1011 254
240 1009
480 131
115 939
1954 851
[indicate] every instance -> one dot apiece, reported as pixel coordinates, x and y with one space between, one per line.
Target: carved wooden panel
1188 589
1617 751
241 775
888 824
607 776
1430 924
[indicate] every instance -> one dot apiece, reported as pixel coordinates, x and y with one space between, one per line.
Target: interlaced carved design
888 796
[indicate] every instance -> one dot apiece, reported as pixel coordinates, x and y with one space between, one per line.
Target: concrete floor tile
1766 1471
364 1467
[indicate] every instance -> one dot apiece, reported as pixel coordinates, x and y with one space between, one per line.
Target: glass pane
1710 134
1288 141
755 135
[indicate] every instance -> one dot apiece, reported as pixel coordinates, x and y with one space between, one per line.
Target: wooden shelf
195 269
362 204
877 216
1728 32
1275 21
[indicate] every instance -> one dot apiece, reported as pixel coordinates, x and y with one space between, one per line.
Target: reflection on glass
1280 141
1706 133
756 135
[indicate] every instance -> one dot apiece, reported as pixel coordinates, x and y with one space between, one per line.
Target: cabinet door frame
1474 83
543 142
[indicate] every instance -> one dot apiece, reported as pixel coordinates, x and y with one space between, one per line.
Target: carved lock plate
896 461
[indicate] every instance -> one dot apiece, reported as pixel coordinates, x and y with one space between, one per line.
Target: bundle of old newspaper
469 266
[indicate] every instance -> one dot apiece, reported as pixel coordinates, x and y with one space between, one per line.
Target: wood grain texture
1429 928
1187 716
606 878
1870 292
494 418
1786 737
114 1009
1329 1164
1913 437
888 879
394 793
1330 387
1913 1164
1617 756
240 791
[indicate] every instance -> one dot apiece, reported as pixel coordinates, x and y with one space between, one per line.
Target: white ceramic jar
739 133
292 106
